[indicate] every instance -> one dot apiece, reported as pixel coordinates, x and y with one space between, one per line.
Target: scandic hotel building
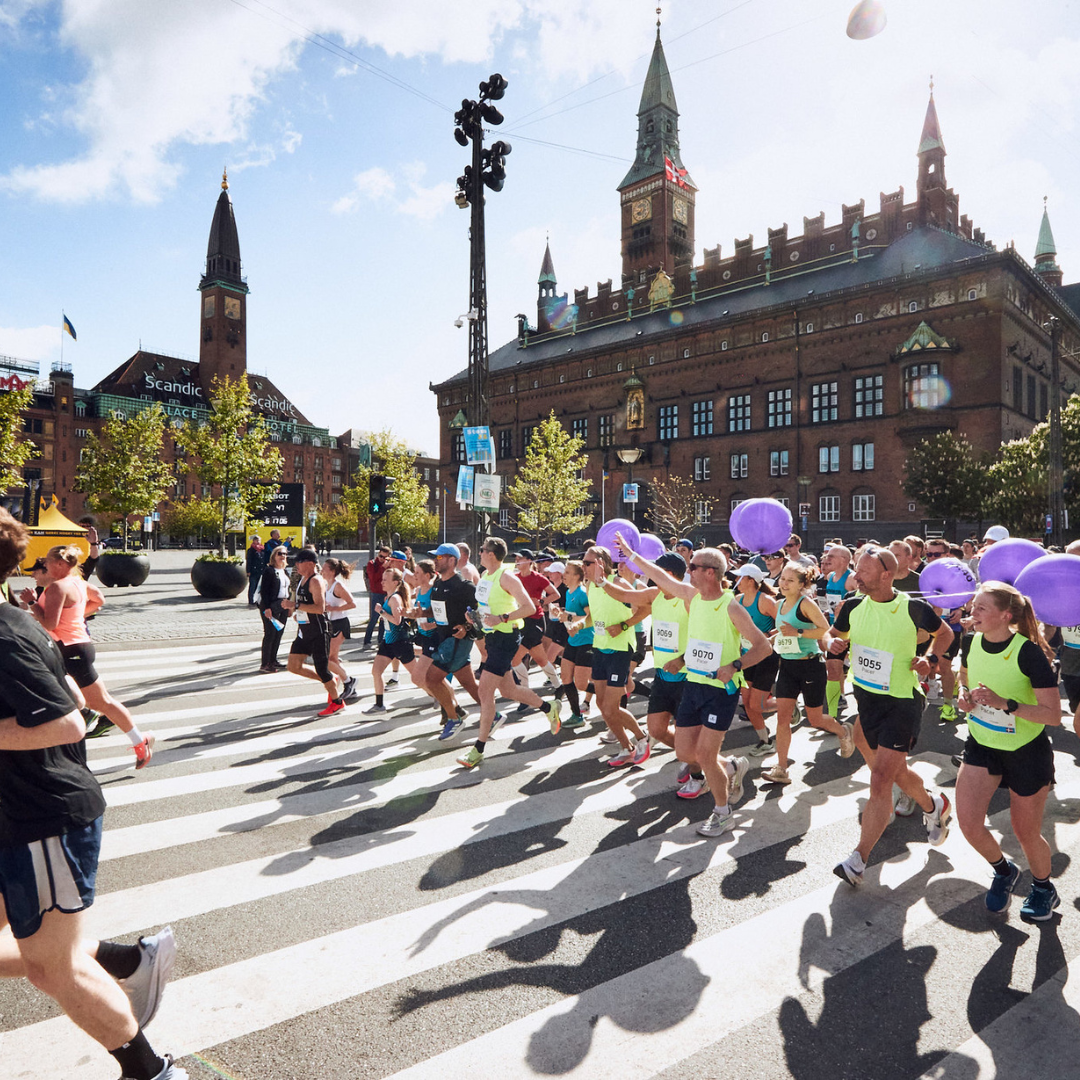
803 369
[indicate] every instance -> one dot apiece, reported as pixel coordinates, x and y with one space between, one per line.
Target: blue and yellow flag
69 328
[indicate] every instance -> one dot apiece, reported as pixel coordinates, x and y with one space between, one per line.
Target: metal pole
1056 470
478 328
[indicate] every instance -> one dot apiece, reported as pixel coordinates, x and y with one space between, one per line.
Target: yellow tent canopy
54 528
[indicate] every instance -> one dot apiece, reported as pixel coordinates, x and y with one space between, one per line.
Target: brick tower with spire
223 300
657 195
1046 253
938 204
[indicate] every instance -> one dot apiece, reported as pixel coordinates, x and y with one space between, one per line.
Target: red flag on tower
674 173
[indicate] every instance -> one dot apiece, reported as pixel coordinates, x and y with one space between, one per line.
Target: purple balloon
947 583
606 536
1004 560
650 547
1052 584
760 525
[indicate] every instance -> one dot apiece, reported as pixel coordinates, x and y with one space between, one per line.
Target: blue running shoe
997 898
1040 904
451 728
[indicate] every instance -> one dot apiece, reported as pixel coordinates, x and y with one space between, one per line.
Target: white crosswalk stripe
340 887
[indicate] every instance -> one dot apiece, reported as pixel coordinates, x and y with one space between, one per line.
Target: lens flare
867 20
929 392
676 318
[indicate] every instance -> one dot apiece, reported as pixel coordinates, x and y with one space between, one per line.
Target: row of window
862 460
862 508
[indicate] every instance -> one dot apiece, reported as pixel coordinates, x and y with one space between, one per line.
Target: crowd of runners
777 637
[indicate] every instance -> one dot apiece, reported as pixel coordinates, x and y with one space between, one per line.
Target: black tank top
316 624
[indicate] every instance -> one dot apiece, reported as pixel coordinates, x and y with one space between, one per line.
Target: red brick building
803 368
62 414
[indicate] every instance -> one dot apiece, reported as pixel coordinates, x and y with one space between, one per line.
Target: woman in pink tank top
62 609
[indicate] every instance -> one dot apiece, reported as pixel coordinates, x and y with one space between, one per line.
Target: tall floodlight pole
1056 470
487 169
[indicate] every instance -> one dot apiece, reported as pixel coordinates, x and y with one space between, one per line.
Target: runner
834 588
502 604
800 626
373 572
907 579
612 618
883 626
541 592
313 635
395 645
449 603
756 595
554 631
339 602
62 609
577 655
50 839
708 704
465 566
939 549
1012 700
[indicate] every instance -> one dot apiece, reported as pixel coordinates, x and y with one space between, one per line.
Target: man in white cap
994 534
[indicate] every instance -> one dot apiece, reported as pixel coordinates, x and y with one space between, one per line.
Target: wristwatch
624 626
505 618
736 665
1011 705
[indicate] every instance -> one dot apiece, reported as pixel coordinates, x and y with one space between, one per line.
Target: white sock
522 673
729 768
549 671
723 811
135 735
856 861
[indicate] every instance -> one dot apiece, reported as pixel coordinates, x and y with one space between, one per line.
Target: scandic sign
191 389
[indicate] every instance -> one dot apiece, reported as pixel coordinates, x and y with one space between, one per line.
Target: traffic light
376 495
388 493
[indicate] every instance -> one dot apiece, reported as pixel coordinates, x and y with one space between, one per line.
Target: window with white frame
740 466
701 468
526 437
668 422
862 507
923 387
506 443
457 448
607 430
580 428
828 459
779 408
778 462
738 413
829 508
869 396
702 511
735 502
823 403
504 518
702 418
862 457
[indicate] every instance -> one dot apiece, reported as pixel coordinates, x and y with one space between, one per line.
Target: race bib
1071 636
438 610
599 627
993 719
703 657
483 595
301 618
665 637
871 667
786 643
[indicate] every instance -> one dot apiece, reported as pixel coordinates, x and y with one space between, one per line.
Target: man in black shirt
51 809
451 596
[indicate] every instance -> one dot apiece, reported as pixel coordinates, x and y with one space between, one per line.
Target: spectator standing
255 563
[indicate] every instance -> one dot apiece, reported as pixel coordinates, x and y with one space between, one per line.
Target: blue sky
120 114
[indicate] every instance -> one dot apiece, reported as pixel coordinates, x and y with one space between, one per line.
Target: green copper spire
931 131
547 267
1046 245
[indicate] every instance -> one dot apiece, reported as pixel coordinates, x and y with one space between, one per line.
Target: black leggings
271 640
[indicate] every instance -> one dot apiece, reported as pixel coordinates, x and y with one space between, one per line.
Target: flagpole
62 317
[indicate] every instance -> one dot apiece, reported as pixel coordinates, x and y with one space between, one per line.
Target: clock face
680 210
232 307
208 307
641 210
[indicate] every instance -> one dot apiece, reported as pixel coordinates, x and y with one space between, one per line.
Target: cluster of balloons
1051 582
647 545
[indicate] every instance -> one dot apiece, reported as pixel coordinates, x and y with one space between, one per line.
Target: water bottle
276 624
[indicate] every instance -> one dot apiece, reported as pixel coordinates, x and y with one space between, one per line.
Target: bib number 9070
704 657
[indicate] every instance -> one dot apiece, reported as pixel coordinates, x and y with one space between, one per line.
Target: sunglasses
703 566
588 562
876 553
936 554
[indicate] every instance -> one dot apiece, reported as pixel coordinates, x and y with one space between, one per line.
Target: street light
628 457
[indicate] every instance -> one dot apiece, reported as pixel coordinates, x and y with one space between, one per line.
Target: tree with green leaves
408 515
232 451
549 490
121 471
336 523
192 516
946 475
674 507
15 451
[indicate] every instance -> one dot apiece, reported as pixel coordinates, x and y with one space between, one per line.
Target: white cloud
378 185
29 342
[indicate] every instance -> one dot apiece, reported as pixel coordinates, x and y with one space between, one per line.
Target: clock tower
657 195
223 300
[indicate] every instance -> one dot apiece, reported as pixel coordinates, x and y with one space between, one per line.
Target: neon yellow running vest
1001 672
670 621
607 612
883 640
493 600
712 642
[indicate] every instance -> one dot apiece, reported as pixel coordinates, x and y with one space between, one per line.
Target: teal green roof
931 132
926 339
1046 245
547 267
657 89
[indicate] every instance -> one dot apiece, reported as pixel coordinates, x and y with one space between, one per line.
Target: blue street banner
465 484
479 447
629 493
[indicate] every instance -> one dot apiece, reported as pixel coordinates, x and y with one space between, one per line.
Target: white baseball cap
751 571
996 532
557 568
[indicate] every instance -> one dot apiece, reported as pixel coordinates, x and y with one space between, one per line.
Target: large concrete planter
218 580
120 568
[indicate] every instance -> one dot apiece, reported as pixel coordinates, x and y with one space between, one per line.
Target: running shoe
957 760
496 723
392 681
451 728
850 869
949 715
735 781
144 751
171 1071
937 821
763 749
683 774
145 985
776 775
471 758
997 896
797 717
847 740
642 750
574 720
1040 904
375 710
716 824
623 757
98 727
331 708
267 670
522 709
553 709
693 787
608 736
349 689
905 805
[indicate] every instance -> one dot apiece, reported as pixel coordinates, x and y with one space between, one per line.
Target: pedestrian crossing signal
376 496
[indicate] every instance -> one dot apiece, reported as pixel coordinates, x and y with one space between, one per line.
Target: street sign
465 484
804 512
479 446
487 489
630 493
148 524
